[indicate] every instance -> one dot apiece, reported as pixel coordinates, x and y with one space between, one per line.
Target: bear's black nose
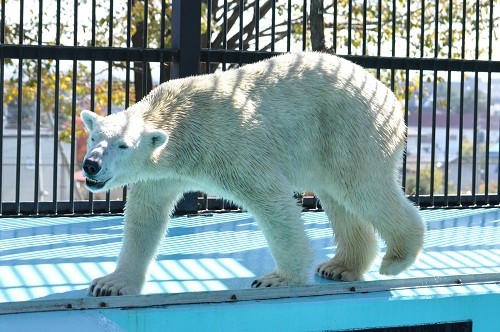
91 167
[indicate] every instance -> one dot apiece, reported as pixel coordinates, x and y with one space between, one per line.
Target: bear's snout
91 166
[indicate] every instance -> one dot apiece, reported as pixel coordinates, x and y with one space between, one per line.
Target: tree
354 27
425 183
405 28
389 28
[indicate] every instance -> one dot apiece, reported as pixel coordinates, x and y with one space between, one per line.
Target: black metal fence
59 57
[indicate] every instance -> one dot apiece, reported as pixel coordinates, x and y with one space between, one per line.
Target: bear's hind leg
357 244
403 247
399 224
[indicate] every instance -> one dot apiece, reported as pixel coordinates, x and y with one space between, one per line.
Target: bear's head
120 149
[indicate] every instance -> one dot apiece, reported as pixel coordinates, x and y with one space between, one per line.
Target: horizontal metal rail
88 53
12 209
234 40
232 296
382 62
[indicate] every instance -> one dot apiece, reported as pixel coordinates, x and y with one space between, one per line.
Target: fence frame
186 54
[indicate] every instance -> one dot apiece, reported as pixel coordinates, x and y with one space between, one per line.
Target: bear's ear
89 119
157 138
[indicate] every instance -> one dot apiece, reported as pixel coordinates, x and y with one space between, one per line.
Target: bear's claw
336 271
257 284
114 285
274 279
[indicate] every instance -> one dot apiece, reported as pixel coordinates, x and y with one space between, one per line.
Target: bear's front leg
148 208
288 243
282 225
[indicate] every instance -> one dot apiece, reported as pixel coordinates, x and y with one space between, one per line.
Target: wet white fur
306 121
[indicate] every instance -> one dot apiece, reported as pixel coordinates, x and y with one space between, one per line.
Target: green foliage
407 23
362 27
425 182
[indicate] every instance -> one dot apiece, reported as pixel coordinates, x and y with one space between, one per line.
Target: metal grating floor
57 257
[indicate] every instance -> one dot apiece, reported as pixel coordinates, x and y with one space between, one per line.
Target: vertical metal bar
209 34
289 26
162 40
349 27
365 18
460 137
55 170
379 33
448 107
209 24
186 20
304 25
2 69
420 109
273 25
407 76
461 125
393 84
145 24
127 69
393 41
37 190
73 112
128 42
224 31
146 20
110 84
434 106
19 109
422 28
408 27
257 22
92 82
475 160
433 137
419 135
110 62
334 46
240 34
205 202
490 52
110 37
224 25
488 112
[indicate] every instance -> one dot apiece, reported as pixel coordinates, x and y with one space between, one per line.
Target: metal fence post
186 30
186 39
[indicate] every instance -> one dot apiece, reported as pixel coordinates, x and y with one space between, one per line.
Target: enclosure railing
58 57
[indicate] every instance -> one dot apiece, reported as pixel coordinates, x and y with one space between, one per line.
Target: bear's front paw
275 279
337 271
116 284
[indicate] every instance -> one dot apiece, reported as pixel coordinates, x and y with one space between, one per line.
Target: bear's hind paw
274 279
336 271
393 265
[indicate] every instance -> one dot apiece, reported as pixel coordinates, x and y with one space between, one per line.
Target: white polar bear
307 121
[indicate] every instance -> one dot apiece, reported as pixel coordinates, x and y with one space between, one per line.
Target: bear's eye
123 146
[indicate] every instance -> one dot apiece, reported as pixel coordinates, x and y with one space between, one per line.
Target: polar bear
307 121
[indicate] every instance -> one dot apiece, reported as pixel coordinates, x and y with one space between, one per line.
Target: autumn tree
398 28
390 28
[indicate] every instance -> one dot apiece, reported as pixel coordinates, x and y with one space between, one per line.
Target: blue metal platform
50 261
